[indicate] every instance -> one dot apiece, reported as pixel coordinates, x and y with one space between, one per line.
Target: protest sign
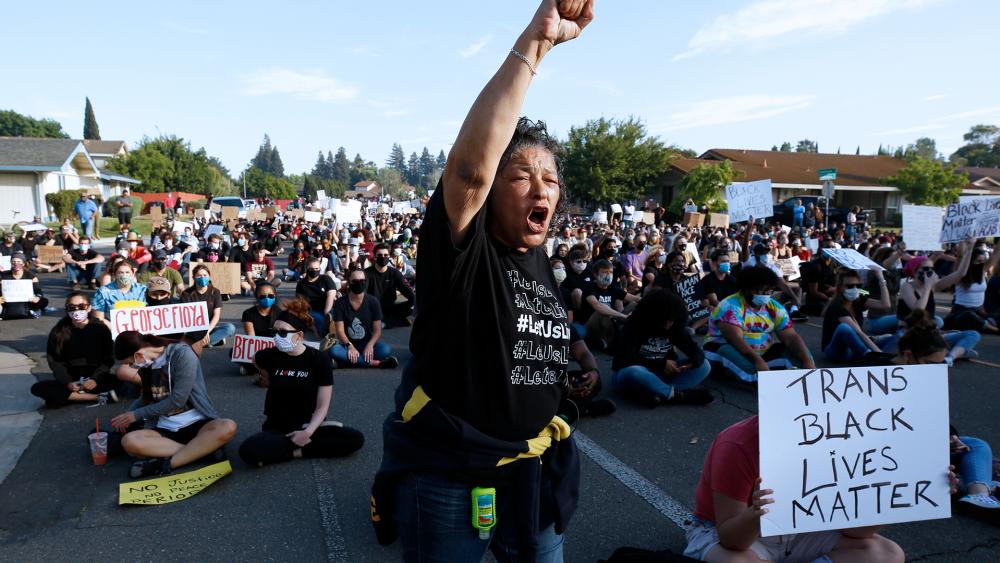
313 216
174 487
17 291
693 219
33 227
162 319
320 195
976 217
49 254
813 245
206 214
400 207
212 230
718 220
156 216
600 217
850 447
616 208
850 258
749 199
648 218
635 217
5 263
244 347
348 212
686 289
922 227
230 213
270 211
179 226
215 208
790 267
296 213
225 276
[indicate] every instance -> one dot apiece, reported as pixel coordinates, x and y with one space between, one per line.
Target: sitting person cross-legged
843 338
181 423
749 331
299 391
357 325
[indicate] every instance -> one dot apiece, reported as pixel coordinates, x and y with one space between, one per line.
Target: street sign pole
827 176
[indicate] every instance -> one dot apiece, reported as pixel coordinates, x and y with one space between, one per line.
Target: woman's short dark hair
528 133
674 254
602 264
656 307
754 278
923 337
577 253
130 342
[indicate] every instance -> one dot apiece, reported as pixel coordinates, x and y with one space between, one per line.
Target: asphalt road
639 474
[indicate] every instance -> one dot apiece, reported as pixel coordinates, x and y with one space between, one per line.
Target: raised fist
557 21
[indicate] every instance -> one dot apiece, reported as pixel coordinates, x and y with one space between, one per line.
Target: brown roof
799 167
363 184
103 147
977 173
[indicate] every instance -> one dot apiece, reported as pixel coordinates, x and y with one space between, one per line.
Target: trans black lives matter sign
850 447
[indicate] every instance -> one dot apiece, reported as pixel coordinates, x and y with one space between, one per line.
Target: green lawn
109 225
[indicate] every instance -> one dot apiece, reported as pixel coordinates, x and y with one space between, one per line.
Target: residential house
365 189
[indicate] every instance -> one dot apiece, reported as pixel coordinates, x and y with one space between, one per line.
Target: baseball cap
157 283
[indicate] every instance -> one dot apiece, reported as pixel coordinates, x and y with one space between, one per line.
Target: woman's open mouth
538 218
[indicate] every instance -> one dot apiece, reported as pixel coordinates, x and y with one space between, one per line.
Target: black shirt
490 339
652 348
240 256
687 289
85 352
212 298
294 382
721 288
607 296
835 311
261 324
358 324
818 272
315 291
80 256
384 285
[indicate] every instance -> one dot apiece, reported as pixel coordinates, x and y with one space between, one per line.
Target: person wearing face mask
33 307
80 354
400 263
259 319
967 310
136 252
920 281
299 382
240 253
719 283
83 264
258 269
296 262
843 338
158 268
10 246
634 260
158 292
180 423
674 277
656 263
203 290
749 332
122 291
818 282
603 302
213 246
319 291
357 326
386 284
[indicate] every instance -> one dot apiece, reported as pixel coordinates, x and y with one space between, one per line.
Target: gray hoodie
187 383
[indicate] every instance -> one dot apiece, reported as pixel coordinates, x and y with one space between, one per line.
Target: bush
195 204
62 202
110 208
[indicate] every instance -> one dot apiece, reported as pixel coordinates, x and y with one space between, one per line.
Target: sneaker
653 401
75 287
107 397
969 354
601 407
691 397
150 467
389 363
243 370
91 284
981 501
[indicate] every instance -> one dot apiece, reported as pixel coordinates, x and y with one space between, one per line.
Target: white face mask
78 316
284 344
560 274
578 266
852 293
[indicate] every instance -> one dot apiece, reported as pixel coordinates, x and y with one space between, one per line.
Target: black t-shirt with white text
294 384
490 339
607 296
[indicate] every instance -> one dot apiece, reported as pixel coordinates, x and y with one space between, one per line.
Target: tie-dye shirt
758 325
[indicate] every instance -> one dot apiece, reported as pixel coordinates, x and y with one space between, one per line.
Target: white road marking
644 488
333 536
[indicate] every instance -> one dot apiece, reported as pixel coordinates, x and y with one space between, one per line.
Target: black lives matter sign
850 447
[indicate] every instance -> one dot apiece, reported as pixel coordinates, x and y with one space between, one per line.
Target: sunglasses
926 269
77 307
852 285
262 295
282 332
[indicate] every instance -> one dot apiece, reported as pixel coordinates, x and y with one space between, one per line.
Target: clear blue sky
321 74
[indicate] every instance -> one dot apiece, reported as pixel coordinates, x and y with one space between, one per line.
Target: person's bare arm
602 309
797 346
248 328
965 249
738 525
472 163
884 304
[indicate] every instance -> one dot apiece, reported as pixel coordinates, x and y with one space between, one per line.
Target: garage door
17 194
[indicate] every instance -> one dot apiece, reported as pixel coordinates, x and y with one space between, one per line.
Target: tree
610 161
441 160
90 129
268 160
774 148
277 169
705 185
168 164
397 159
425 168
262 184
341 167
309 188
786 147
929 182
805 145
13 124
362 171
413 170
982 147
392 184
857 151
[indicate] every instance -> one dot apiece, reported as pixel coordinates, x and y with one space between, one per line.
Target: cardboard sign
616 208
790 267
850 447
162 319
174 487
718 220
693 219
215 208
922 225
270 212
254 215
17 291
296 213
850 258
229 213
648 218
156 216
686 289
244 347
749 199
225 276
313 216
49 254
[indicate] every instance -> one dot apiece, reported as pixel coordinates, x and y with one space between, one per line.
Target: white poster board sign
348 212
162 319
4 263
975 217
636 217
17 291
849 447
600 217
313 216
616 208
400 207
922 227
244 347
179 226
749 199
850 258
212 230
320 195
790 267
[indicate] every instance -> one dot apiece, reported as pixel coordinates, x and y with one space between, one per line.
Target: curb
19 416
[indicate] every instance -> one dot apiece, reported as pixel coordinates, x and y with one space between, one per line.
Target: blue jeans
976 465
638 380
966 339
90 273
846 345
319 322
221 332
887 324
380 351
87 227
435 525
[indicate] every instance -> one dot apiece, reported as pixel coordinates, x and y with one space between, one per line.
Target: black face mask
357 286
154 302
157 264
312 272
976 272
381 260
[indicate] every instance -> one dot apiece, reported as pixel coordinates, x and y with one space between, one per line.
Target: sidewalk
19 416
